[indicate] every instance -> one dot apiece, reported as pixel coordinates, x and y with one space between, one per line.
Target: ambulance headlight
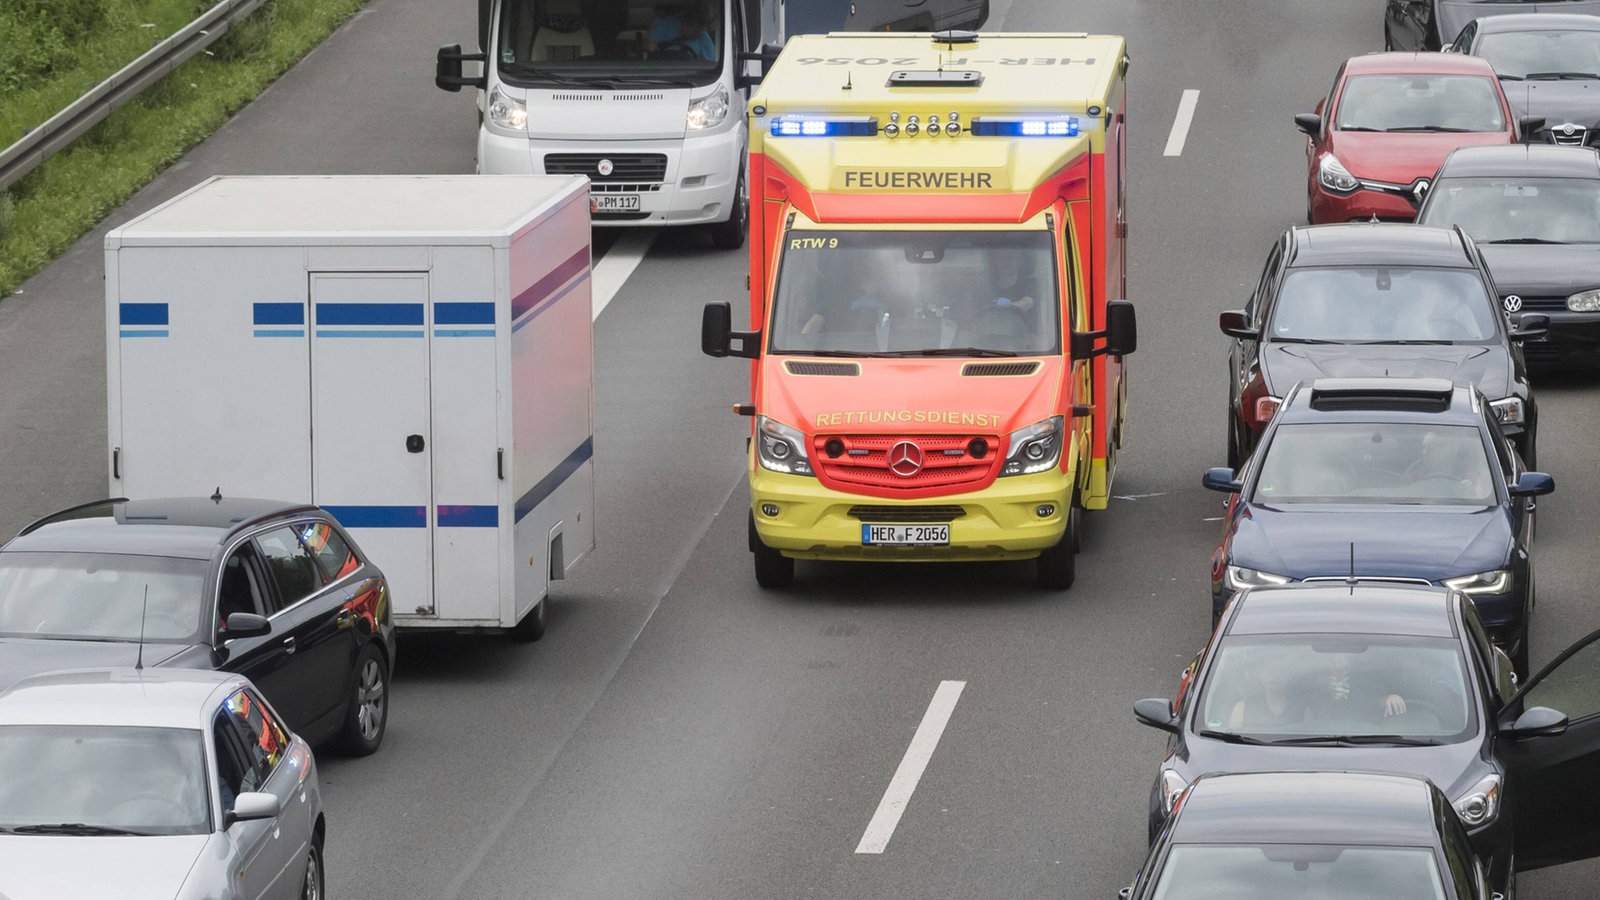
506 111
781 448
709 111
1036 448
1332 175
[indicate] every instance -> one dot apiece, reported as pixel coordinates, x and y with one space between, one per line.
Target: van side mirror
1157 713
245 625
767 55
1533 484
1221 479
447 69
717 335
1528 126
1531 325
1309 123
1234 323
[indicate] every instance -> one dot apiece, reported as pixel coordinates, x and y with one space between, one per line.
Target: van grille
914 514
946 464
632 167
1016 368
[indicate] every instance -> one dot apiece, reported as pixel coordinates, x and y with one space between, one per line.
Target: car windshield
1419 103
1277 871
100 596
1542 54
602 42
1383 304
1388 463
1518 210
143 780
1308 686
911 293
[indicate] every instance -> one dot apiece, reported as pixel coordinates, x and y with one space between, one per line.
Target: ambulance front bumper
800 518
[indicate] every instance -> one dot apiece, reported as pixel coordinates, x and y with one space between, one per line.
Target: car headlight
1172 787
1509 411
1034 449
1496 582
1332 175
1240 577
708 111
1584 301
781 448
1481 803
507 111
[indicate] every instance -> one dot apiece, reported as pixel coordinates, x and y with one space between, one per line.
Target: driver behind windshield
682 35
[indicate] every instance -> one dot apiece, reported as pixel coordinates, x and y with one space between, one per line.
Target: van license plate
613 203
905 535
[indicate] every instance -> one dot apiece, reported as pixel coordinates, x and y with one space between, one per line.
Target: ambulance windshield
917 293
610 43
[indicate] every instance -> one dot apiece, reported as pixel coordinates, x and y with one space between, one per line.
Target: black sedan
1549 67
1393 678
1534 213
1435 24
1280 835
273 591
1373 299
1395 478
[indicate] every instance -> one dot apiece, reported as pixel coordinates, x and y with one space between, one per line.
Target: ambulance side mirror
1121 334
717 334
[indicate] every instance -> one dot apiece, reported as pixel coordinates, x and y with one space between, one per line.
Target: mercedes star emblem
605 167
1568 129
905 459
1513 303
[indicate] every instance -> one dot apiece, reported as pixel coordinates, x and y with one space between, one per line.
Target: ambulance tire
730 235
1058 566
773 569
531 628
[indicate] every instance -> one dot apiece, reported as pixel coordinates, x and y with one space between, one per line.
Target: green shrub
8 214
29 52
72 19
249 39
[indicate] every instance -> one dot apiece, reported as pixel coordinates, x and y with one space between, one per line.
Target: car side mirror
250 806
717 335
244 625
1157 713
1533 484
447 69
1531 325
1221 479
1528 126
1125 893
1536 721
1234 323
1310 123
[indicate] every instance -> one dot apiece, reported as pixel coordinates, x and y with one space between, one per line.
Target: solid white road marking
1180 124
613 269
904 782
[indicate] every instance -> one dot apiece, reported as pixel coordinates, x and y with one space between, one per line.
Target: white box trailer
414 354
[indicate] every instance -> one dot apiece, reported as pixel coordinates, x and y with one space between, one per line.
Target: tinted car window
1375 463
240 588
329 547
1419 103
1518 54
1521 209
1572 687
1502 687
1291 870
150 780
100 596
1383 303
292 567
264 739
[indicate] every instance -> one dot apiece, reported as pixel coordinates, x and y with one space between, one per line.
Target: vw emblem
1512 303
905 459
605 167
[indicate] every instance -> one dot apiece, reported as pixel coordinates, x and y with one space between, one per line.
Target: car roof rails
36 524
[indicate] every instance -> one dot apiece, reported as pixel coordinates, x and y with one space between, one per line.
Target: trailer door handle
500 463
116 462
414 443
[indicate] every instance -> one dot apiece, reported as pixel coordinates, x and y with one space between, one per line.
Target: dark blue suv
1395 479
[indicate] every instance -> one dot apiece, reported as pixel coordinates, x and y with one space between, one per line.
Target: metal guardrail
67 125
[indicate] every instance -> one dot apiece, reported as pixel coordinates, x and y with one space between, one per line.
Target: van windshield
606 43
911 293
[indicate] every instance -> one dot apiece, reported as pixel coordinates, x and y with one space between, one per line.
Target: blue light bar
837 126
1025 126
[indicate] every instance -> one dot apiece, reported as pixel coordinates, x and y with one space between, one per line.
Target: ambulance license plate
613 203
905 535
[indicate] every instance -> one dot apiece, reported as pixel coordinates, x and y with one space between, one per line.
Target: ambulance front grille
894 515
801 367
625 167
1011 368
863 462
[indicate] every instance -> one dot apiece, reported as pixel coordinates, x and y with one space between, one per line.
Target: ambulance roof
385 209
813 70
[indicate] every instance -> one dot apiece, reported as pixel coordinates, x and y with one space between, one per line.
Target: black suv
274 591
1358 300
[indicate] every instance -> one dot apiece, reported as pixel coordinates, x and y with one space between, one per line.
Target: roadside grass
44 213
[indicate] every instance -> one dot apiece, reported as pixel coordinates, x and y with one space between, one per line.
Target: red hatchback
1390 120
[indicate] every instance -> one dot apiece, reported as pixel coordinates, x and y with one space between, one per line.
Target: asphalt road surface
681 733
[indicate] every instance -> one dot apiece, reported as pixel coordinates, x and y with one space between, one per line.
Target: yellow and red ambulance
937 227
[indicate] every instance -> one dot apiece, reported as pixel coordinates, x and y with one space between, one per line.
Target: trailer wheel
773 569
1058 566
531 628
730 235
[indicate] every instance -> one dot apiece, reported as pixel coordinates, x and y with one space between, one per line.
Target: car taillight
1266 407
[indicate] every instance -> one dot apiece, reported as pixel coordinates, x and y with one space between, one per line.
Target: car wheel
730 235
367 716
1058 565
311 887
531 628
773 569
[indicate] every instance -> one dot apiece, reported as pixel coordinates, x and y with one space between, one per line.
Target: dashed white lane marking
1180 124
613 269
904 783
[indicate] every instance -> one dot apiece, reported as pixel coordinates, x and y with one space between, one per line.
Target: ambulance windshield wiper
950 351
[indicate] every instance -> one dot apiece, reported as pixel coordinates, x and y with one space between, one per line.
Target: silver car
169 783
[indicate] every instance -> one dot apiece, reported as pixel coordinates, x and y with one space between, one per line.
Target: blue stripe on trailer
463 314
360 333
469 517
280 332
279 314
380 516
369 313
143 332
548 484
546 286
142 313
463 332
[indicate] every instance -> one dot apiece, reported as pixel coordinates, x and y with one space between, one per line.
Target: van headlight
1239 577
709 111
1481 803
1332 175
1496 582
1035 448
506 111
781 448
1584 301
1509 411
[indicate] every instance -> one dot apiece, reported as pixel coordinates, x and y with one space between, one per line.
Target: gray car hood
48 867
1558 102
22 657
1453 15
1543 270
1488 367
